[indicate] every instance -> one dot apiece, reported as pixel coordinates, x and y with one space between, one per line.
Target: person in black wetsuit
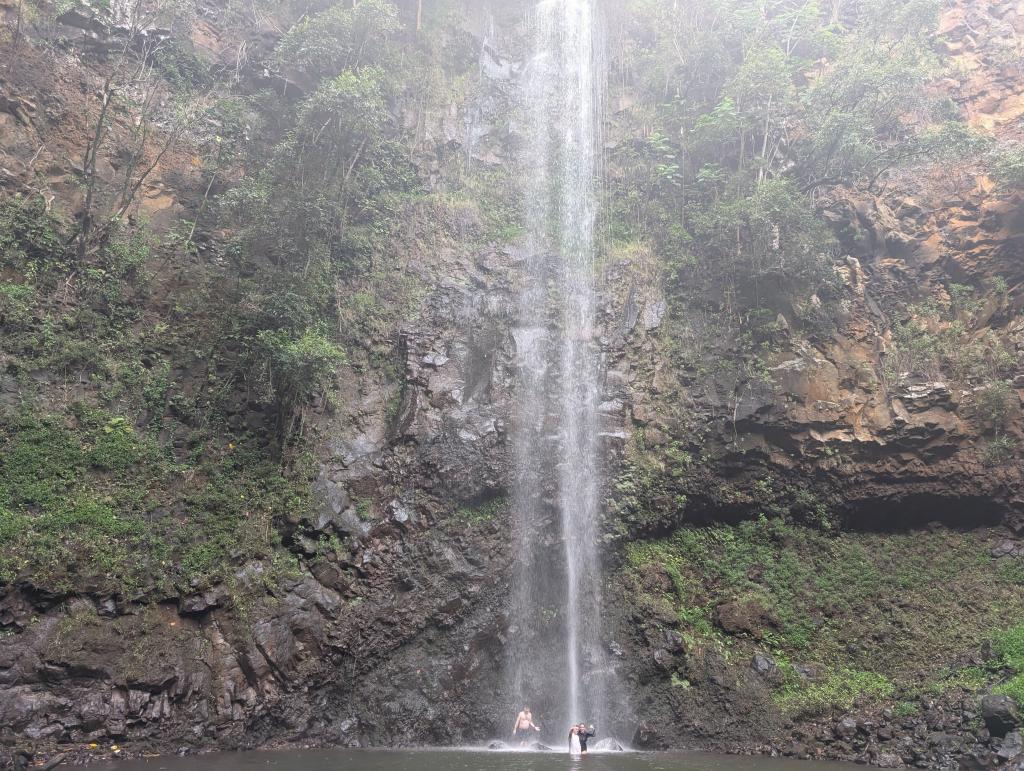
585 733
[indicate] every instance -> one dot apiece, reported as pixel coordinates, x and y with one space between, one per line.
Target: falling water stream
557 662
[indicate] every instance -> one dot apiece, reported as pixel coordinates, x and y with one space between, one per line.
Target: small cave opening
918 510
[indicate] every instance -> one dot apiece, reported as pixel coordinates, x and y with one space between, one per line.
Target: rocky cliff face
835 425
388 625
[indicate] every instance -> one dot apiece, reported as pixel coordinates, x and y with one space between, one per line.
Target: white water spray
558 662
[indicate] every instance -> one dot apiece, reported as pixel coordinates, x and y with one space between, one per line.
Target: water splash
558 660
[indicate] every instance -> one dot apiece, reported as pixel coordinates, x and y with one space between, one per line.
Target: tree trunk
16 39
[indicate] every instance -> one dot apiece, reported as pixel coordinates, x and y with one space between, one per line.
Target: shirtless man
524 722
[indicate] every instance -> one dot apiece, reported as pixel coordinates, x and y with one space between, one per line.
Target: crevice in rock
921 509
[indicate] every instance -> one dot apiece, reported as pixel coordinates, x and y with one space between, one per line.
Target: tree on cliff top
751 109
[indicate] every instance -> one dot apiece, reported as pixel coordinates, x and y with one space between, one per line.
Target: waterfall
558 664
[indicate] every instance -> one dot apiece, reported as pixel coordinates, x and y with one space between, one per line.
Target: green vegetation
340 38
971 679
159 440
748 116
906 709
364 508
839 690
114 476
939 341
1008 164
743 139
1009 651
653 492
861 610
315 231
648 485
86 501
65 533
482 512
291 369
992 402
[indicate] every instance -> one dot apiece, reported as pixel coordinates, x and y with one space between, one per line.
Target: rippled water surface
466 760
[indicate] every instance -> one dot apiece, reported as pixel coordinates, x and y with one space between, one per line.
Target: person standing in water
524 724
584 734
575 747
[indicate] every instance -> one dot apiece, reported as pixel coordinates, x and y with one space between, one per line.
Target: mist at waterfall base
558 662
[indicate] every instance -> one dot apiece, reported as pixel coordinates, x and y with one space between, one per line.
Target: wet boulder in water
497 745
538 747
608 745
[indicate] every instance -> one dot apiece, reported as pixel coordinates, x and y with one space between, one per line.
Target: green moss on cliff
864 615
1009 654
838 689
87 502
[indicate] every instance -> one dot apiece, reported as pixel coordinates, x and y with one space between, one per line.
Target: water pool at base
465 760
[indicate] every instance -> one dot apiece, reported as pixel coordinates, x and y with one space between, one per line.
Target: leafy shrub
915 351
364 508
970 679
16 304
739 140
1014 688
79 541
39 464
1008 646
1012 571
1000 450
61 526
340 38
180 66
29 236
937 339
291 369
992 403
1008 164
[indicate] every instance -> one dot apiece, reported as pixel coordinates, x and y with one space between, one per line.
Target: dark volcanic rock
646 737
763 664
1000 714
745 617
203 601
1012 746
846 728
